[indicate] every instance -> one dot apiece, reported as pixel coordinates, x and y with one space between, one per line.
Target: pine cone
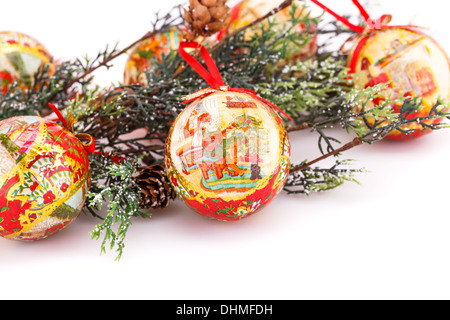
205 17
156 190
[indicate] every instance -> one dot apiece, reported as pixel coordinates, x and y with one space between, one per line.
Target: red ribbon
212 75
371 25
114 157
342 19
90 146
58 114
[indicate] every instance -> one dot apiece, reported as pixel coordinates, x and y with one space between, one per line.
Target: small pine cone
205 17
156 190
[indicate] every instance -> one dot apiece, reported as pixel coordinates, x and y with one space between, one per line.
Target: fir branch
389 122
33 99
255 22
114 184
316 179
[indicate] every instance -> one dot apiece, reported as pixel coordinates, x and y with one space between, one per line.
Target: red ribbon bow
89 146
212 76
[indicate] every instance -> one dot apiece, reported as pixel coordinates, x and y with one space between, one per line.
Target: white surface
387 238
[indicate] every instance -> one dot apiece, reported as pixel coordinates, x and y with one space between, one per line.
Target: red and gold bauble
21 57
44 178
228 152
227 155
413 64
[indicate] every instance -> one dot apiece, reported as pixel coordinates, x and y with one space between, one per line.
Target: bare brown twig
112 57
303 126
355 142
150 148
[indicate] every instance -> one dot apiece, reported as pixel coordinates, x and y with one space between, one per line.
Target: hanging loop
89 146
212 76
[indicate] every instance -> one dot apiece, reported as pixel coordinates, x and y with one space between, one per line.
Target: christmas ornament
413 64
156 190
227 153
247 11
44 177
21 56
144 55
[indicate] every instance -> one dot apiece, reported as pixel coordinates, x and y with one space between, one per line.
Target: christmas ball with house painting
21 57
227 155
44 178
413 65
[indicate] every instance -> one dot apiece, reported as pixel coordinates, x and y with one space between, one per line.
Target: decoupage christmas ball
21 56
247 11
227 155
413 63
144 54
44 178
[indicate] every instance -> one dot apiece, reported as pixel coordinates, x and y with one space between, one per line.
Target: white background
387 238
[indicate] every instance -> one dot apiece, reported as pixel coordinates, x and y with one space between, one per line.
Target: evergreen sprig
319 179
113 184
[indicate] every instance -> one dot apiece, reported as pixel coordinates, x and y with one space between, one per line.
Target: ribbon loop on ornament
68 124
212 76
